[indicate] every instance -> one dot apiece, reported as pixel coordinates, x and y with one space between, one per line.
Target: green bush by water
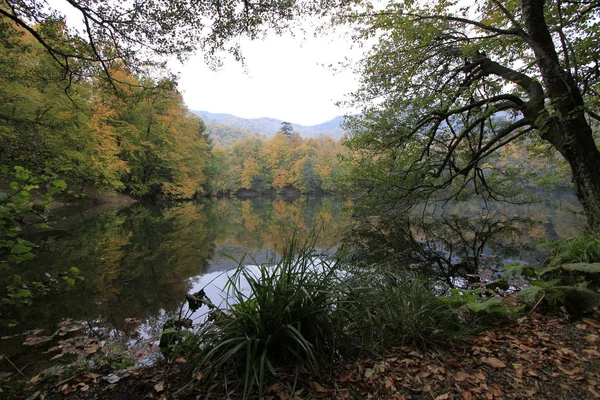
306 313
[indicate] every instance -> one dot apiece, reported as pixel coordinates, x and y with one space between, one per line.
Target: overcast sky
286 78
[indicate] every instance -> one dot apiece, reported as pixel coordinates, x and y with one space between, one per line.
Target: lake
140 262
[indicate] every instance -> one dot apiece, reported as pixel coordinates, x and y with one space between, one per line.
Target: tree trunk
567 129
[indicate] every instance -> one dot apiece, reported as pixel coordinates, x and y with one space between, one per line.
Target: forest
446 247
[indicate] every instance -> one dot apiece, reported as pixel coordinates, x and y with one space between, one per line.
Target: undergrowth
306 313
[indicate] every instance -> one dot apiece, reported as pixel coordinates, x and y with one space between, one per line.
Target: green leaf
529 295
591 268
544 284
59 183
485 305
20 248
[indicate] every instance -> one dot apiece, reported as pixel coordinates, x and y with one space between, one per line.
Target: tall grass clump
305 313
584 248
398 308
276 317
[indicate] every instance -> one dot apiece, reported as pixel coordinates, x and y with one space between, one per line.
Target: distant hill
269 126
225 135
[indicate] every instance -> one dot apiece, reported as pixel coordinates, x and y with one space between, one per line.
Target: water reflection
140 262
457 242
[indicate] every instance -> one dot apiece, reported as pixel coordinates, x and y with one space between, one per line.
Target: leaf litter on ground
540 357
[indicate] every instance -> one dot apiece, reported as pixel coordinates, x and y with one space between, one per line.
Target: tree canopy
142 33
447 85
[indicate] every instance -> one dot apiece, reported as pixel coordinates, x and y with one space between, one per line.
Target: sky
286 78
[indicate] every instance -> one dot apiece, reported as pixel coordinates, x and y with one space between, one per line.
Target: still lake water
140 262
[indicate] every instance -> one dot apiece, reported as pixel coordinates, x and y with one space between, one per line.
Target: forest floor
542 357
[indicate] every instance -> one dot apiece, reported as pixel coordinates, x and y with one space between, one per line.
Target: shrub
394 309
287 318
305 313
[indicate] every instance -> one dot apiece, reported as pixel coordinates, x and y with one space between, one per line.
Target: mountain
269 126
225 135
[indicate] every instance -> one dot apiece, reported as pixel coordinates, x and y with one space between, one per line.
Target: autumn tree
455 83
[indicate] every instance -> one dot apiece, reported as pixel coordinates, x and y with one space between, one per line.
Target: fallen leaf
493 362
495 390
445 396
461 376
345 377
274 387
91 375
593 392
160 386
592 338
317 387
466 395
283 395
591 322
369 372
65 389
34 340
479 375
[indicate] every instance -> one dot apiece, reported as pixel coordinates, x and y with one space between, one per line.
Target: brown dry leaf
345 377
33 340
389 385
479 375
592 352
160 386
495 390
461 376
445 396
532 373
283 395
317 387
34 379
274 387
466 395
593 392
566 387
452 362
436 369
92 349
59 355
530 392
345 393
593 338
65 389
493 362
570 372
399 397
84 388
591 322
